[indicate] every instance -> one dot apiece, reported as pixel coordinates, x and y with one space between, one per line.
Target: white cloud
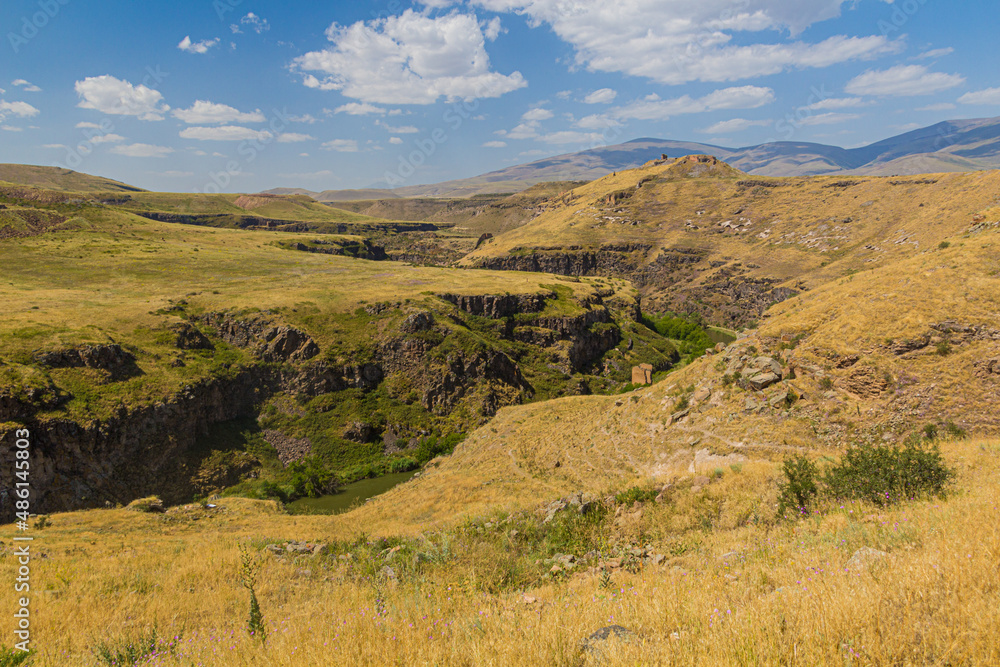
495 144
902 81
142 150
203 112
597 122
359 109
836 103
82 125
197 47
571 137
404 129
19 109
109 138
987 96
493 29
908 127
676 41
25 86
225 133
11 128
734 125
602 96
54 146
523 131
828 118
936 53
395 140
120 98
941 106
341 145
252 22
304 118
293 137
323 173
408 59
653 108
533 115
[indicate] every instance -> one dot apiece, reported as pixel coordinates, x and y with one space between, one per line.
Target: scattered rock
420 321
594 644
189 337
864 557
764 380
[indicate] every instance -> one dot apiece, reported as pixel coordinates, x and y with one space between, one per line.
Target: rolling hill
56 178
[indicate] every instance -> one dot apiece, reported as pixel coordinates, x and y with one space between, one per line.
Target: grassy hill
56 178
704 237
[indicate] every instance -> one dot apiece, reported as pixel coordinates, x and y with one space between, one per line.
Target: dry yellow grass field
748 590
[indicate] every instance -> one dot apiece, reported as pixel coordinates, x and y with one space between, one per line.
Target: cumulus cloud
902 81
987 96
653 108
197 47
537 114
142 150
936 53
408 59
293 137
251 22
734 125
203 112
26 86
120 98
360 109
676 41
836 103
225 133
402 129
110 138
395 140
495 144
19 109
602 96
341 145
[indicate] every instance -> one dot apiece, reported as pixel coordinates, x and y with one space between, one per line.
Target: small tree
249 570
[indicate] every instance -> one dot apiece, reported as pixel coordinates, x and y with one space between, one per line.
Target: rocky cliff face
428 354
135 452
667 279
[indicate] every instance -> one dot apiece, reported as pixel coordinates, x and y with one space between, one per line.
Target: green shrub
887 474
10 657
404 464
931 431
944 348
944 244
799 488
636 493
826 384
954 431
250 565
132 650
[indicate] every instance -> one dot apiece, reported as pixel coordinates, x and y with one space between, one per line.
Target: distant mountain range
956 145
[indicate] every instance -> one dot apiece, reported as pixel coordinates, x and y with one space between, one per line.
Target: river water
349 495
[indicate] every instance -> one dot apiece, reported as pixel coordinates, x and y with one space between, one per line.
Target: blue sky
245 95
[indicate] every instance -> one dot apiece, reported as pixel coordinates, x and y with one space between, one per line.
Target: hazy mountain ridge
955 145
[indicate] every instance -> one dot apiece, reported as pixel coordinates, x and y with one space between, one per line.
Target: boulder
189 337
764 365
420 321
151 504
764 380
864 557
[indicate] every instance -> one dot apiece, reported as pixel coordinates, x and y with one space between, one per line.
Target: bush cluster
881 475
